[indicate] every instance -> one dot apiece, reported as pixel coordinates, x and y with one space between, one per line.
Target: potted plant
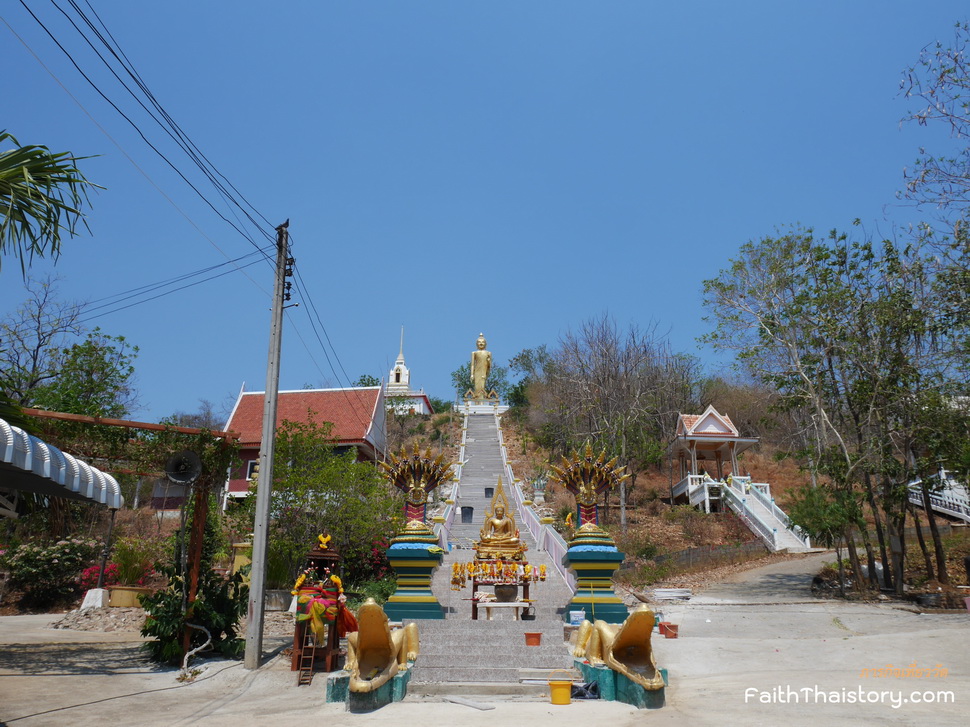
135 559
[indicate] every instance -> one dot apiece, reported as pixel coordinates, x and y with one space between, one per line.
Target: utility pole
264 481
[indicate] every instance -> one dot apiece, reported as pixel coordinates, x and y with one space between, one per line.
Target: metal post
107 550
264 488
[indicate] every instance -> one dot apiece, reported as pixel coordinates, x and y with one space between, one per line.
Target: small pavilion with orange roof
708 441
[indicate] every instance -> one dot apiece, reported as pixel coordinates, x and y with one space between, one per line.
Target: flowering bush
135 558
47 573
89 578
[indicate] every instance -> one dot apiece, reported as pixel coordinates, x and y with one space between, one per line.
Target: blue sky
454 167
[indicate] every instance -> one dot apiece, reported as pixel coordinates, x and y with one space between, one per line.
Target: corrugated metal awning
29 464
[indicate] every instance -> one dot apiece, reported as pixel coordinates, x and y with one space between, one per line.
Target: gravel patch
275 623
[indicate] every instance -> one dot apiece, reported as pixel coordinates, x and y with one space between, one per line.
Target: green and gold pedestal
593 557
414 554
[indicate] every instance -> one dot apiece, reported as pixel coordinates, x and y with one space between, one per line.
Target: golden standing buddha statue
480 368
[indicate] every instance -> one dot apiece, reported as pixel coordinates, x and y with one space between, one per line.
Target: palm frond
41 197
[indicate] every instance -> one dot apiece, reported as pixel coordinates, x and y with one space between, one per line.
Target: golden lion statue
375 654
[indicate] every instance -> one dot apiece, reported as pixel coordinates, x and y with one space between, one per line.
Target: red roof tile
350 410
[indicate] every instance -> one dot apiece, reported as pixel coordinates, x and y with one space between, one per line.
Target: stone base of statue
414 555
617 687
495 551
593 557
338 690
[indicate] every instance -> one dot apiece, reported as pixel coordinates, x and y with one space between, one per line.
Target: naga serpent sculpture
375 653
624 648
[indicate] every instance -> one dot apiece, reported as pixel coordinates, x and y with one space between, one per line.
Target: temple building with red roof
357 414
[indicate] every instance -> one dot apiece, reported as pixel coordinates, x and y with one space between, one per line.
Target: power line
115 308
121 149
172 128
226 190
134 73
135 126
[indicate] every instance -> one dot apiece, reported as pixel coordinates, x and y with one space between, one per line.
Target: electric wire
134 73
135 126
174 131
133 292
124 153
170 127
313 315
178 138
115 308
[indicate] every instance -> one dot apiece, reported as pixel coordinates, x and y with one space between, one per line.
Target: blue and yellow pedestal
414 564
594 570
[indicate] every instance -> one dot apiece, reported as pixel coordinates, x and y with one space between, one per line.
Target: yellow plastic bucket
560 691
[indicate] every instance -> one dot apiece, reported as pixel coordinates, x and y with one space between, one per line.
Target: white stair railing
545 536
760 491
750 518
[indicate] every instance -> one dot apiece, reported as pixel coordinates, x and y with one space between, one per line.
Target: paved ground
762 633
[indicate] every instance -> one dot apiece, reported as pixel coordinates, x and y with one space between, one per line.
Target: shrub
89 578
135 558
220 604
380 590
49 573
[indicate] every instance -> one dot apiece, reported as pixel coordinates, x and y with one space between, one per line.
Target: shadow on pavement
75 660
772 586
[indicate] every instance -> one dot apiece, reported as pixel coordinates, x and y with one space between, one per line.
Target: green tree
440 406
367 380
825 513
31 339
319 490
96 378
48 359
498 380
621 390
41 197
847 332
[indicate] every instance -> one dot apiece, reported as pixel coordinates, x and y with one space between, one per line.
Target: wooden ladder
305 674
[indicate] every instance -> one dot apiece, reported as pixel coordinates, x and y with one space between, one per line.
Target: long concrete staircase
462 656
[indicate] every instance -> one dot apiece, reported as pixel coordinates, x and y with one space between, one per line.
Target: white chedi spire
399 381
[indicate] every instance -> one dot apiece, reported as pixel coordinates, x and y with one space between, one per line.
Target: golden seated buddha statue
499 536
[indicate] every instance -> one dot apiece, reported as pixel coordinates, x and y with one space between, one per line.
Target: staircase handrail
527 515
755 488
688 484
946 505
762 529
698 495
546 537
443 529
556 546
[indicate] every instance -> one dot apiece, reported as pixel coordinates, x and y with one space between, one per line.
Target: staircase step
482 691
